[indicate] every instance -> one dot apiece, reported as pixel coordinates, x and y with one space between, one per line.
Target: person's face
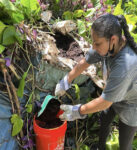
101 45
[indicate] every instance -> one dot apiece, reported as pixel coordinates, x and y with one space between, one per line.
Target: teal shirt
121 84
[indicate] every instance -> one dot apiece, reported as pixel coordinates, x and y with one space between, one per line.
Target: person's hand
62 86
71 112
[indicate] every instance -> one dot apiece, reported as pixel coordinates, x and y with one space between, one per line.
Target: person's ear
113 39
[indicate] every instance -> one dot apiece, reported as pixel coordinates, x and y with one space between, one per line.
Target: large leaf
17 124
81 27
9 36
118 10
20 89
2 26
30 4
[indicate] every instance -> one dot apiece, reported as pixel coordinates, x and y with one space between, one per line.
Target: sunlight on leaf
118 10
78 13
112 141
77 91
30 4
81 27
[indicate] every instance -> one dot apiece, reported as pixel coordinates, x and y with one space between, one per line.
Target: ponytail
130 39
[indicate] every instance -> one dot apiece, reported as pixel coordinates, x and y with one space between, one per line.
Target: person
118 53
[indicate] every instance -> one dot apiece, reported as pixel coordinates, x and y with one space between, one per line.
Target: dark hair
108 25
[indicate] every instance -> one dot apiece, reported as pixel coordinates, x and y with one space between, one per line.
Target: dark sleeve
92 56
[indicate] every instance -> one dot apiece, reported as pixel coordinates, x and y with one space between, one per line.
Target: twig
8 89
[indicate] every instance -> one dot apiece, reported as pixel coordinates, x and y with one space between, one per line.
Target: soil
48 119
68 47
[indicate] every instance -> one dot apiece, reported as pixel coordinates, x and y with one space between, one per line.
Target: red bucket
49 139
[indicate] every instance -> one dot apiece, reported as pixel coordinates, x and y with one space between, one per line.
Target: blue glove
71 112
62 86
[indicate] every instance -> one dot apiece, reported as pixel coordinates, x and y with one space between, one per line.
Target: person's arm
95 105
79 111
77 70
65 83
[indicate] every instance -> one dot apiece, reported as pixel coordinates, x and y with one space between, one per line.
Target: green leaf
17 124
134 36
118 10
67 15
29 108
17 16
8 5
2 26
112 141
78 13
135 2
28 104
77 91
57 1
89 12
18 38
81 27
9 36
1 48
131 19
20 89
84 147
30 4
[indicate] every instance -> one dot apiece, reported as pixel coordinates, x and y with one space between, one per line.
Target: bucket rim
52 129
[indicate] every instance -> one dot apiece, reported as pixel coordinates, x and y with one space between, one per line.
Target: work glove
62 86
71 112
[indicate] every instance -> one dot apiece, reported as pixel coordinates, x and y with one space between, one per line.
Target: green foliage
17 124
84 147
9 13
2 26
1 48
77 91
31 8
81 27
29 103
20 89
10 36
67 15
118 10
130 12
112 141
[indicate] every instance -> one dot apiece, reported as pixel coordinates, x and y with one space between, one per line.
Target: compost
68 47
48 119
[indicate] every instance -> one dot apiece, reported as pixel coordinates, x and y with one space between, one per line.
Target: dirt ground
68 47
